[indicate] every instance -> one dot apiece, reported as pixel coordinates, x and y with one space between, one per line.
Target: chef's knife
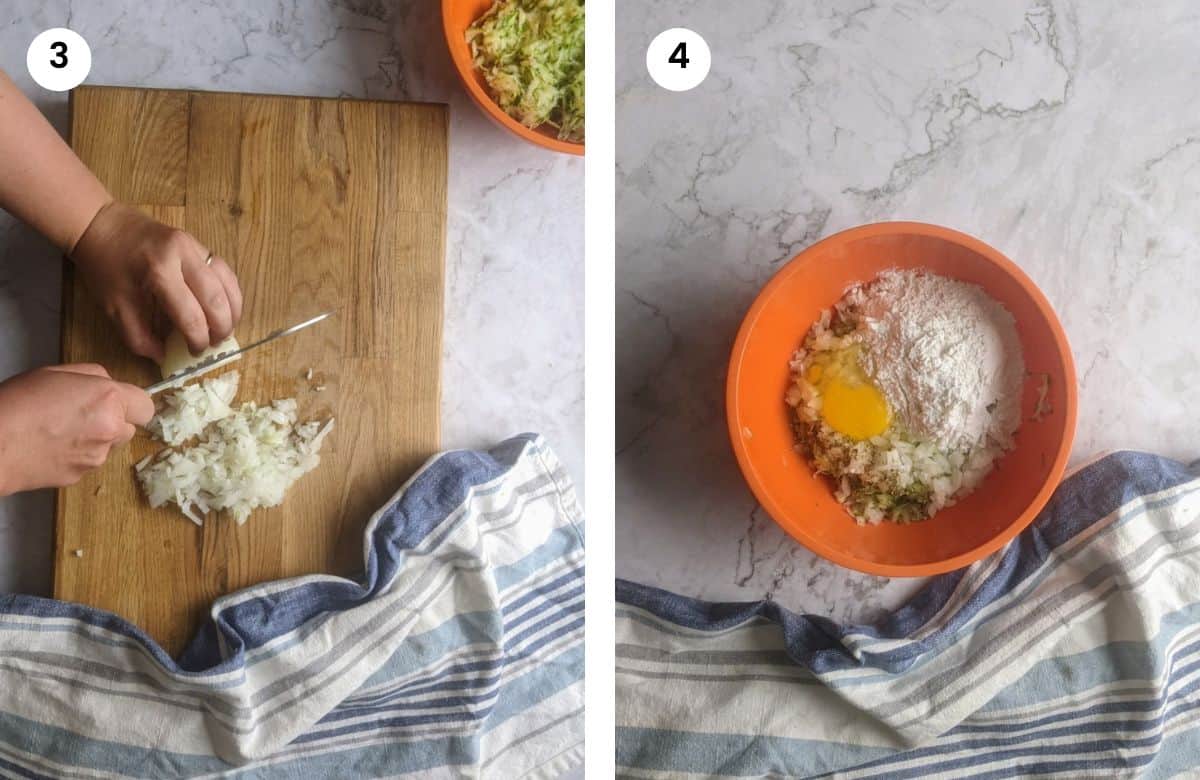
223 358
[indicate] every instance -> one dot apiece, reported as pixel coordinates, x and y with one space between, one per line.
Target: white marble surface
513 357
1063 133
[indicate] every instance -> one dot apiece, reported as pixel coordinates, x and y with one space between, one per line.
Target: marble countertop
1063 133
514 255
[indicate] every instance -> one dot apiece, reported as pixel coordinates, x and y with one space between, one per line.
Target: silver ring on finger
208 260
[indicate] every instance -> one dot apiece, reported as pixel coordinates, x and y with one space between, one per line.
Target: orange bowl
457 16
802 502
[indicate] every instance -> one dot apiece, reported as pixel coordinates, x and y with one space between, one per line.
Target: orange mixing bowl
457 16
1010 496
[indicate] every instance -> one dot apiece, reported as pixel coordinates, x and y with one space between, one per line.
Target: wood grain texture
316 204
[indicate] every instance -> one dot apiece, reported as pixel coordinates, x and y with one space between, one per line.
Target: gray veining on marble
513 357
1063 133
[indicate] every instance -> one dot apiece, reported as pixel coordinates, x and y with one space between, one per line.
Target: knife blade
223 358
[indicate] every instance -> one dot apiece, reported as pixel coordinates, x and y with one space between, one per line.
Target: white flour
946 356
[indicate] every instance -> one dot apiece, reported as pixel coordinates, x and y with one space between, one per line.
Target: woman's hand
130 262
60 422
134 264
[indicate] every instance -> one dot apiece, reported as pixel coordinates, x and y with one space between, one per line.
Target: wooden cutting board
316 204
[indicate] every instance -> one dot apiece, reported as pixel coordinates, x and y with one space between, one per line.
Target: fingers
210 292
139 335
93 457
180 304
138 406
87 369
127 434
135 404
233 290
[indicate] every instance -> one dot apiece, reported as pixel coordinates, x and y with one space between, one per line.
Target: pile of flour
945 355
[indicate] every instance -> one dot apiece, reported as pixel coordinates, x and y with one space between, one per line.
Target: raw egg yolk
850 403
855 410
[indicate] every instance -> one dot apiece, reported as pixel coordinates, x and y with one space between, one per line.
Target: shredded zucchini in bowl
530 53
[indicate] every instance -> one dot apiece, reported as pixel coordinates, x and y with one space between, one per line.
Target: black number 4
60 50
679 56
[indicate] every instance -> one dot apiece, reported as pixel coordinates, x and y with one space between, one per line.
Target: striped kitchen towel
1073 652
458 653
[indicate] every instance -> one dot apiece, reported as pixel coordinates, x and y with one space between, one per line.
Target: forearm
42 182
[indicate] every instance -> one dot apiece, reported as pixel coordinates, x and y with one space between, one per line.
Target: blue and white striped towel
1075 651
459 654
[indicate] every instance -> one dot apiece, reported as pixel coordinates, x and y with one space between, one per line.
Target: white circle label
59 59
678 59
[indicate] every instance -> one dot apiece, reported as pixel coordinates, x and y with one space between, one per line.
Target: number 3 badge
59 59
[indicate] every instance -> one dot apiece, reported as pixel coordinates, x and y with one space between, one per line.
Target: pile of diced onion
245 458
189 410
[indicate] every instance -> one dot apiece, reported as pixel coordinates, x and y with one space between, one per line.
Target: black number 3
679 56
60 50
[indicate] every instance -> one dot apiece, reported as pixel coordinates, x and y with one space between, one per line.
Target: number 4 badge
678 59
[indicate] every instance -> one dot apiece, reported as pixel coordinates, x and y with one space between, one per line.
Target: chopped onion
244 461
189 410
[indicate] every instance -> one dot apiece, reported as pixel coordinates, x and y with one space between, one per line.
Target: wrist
89 211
